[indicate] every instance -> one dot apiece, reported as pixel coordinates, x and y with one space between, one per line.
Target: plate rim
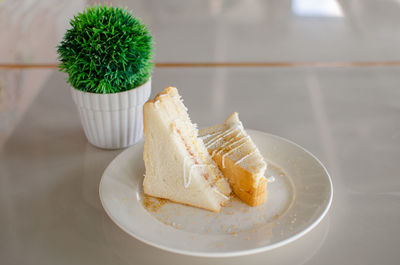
222 254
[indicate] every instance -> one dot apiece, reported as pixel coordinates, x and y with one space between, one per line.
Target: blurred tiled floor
218 30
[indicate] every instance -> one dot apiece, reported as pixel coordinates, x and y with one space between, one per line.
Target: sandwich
178 165
238 158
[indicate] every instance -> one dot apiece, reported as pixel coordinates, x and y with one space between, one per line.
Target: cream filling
193 156
194 153
220 193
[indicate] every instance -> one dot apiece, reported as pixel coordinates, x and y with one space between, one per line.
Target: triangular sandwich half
178 165
238 158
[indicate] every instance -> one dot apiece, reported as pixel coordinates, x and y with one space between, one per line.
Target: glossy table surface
345 112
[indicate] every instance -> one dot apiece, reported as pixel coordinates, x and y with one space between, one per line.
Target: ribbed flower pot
112 121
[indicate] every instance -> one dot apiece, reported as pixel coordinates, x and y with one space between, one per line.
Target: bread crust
184 203
242 182
172 91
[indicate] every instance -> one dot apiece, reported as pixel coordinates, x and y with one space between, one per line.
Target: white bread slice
178 166
238 158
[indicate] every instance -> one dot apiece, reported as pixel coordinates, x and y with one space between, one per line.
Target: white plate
297 200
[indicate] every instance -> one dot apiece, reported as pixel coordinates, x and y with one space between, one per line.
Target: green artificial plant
107 50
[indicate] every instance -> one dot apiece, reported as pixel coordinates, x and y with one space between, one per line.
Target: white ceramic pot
112 121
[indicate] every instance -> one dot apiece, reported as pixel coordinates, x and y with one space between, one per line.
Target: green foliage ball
107 50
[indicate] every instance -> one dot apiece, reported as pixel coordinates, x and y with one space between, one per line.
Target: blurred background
301 34
220 30
313 32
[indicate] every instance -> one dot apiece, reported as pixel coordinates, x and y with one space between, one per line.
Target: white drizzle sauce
246 156
181 124
218 137
235 142
240 140
186 182
208 135
220 193
237 147
191 170
213 138
223 146
213 153
188 179
231 130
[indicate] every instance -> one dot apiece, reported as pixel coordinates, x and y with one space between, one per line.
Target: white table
348 116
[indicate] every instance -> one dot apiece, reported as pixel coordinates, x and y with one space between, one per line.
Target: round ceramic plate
298 199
